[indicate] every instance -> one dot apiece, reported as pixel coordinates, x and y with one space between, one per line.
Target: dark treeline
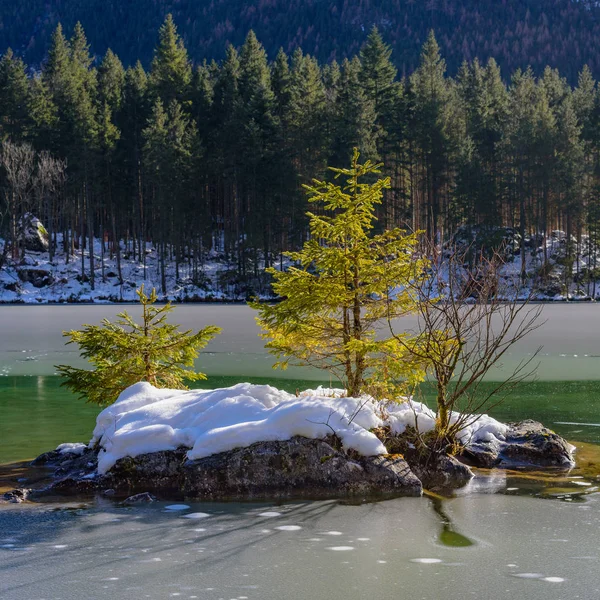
213 156
561 33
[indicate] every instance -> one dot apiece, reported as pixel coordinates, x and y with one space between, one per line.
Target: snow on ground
146 419
38 280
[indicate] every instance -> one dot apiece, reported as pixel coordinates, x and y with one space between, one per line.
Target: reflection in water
448 536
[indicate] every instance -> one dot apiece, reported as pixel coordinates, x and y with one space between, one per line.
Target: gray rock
143 498
528 444
302 468
438 471
38 277
299 467
68 462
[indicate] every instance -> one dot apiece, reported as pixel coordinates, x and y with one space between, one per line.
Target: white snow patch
177 507
341 548
146 419
71 448
289 527
196 515
270 513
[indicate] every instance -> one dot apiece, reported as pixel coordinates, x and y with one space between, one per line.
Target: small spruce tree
345 286
125 352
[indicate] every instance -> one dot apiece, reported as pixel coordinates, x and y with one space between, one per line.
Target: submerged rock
526 444
143 498
16 496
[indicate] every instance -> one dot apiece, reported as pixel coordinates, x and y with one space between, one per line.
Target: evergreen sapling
125 352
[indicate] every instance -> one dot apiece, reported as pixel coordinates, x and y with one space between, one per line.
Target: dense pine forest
211 156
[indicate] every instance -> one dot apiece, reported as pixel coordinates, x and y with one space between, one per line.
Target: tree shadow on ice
448 535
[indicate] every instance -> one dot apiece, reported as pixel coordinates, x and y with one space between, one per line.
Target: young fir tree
339 294
125 352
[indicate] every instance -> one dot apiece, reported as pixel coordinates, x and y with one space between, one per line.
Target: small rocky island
257 442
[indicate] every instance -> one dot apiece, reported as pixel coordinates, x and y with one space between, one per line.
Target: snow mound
68 448
146 419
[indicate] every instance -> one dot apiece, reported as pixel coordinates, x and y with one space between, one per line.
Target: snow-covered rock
299 467
255 441
527 443
145 419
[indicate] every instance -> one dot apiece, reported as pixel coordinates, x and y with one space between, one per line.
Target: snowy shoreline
38 279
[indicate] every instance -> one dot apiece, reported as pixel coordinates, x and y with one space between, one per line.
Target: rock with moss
32 234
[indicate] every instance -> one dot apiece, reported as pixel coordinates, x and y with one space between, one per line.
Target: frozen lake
520 547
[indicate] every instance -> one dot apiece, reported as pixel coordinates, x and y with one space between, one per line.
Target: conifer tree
343 286
519 146
111 79
355 117
306 111
56 69
378 73
259 130
171 71
280 82
132 119
202 98
125 352
44 115
430 96
14 96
